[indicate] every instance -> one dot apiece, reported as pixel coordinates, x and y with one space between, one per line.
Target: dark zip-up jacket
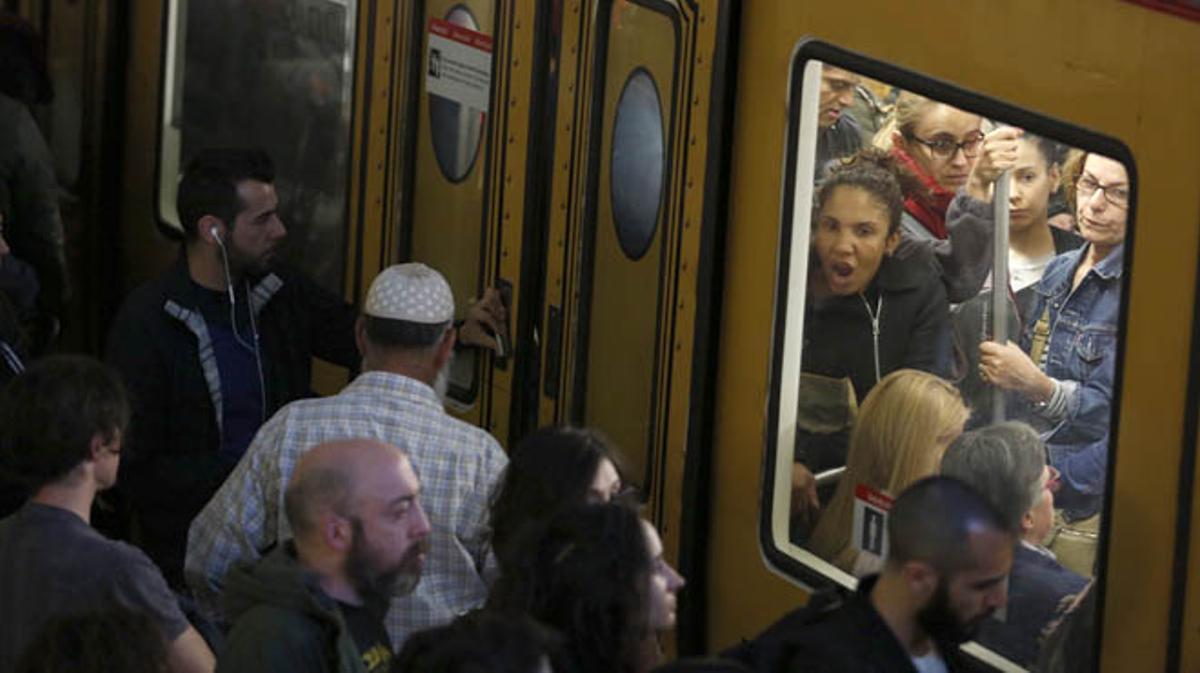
834 634
914 325
908 298
161 345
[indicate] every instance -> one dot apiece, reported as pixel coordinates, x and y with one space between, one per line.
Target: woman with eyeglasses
1006 463
941 147
1062 372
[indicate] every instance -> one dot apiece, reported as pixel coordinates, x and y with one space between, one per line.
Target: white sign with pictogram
458 64
869 532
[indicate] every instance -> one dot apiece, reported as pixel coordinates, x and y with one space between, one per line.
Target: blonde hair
908 109
905 418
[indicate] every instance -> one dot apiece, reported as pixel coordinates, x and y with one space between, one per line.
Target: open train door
631 240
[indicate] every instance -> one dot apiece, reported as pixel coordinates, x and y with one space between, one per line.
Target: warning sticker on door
869 532
458 65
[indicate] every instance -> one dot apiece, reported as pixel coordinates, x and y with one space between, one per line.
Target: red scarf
931 211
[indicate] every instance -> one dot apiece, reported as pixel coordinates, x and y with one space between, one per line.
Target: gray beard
441 382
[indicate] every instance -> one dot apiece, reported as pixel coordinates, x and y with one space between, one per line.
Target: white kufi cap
411 292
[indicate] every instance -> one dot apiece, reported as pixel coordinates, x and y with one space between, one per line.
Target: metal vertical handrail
1000 280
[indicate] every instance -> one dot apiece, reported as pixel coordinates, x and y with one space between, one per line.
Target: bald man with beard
317 602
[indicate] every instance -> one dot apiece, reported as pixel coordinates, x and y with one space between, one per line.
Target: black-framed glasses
945 147
1117 195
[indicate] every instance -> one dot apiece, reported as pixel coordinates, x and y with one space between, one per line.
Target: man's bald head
932 521
327 479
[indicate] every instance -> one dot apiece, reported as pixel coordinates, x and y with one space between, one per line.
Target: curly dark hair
879 173
585 572
116 641
480 642
551 468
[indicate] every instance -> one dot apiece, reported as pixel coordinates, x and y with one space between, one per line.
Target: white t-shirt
1025 271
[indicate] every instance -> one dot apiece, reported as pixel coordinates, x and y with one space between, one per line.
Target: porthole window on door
456 128
638 164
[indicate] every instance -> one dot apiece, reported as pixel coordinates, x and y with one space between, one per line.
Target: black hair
585 572
209 183
933 519
1051 151
115 641
880 174
50 412
1004 463
550 469
480 642
403 334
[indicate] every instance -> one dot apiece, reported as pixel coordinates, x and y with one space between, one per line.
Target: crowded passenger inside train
902 357
186 504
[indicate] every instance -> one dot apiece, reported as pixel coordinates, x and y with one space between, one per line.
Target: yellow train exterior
690 318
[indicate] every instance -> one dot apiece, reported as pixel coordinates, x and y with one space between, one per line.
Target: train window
456 128
637 164
276 76
904 200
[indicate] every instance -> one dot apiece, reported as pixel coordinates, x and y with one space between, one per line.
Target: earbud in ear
216 234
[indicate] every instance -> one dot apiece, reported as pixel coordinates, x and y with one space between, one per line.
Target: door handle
504 341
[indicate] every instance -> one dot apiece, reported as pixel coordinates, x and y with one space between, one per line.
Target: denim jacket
1081 354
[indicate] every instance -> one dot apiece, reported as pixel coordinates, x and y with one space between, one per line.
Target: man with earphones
217 344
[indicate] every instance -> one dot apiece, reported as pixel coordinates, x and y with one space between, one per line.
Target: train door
628 247
447 225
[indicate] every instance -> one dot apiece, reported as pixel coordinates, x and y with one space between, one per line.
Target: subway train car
636 178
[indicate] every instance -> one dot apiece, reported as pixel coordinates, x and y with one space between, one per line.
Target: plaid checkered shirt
458 464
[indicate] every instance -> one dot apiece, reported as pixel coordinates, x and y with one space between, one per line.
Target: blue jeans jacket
1082 352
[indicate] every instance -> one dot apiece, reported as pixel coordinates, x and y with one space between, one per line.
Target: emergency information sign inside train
458 64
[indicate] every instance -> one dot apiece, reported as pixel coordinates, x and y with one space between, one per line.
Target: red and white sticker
869 532
458 64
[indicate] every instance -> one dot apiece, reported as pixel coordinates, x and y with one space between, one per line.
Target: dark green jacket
283 621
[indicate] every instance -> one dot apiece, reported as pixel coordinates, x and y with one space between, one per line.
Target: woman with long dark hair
552 468
591 573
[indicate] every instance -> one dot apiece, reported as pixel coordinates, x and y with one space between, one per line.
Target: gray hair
1004 462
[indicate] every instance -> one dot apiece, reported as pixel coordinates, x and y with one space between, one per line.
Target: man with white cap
407 338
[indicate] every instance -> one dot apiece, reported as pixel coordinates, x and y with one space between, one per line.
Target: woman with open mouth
868 311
